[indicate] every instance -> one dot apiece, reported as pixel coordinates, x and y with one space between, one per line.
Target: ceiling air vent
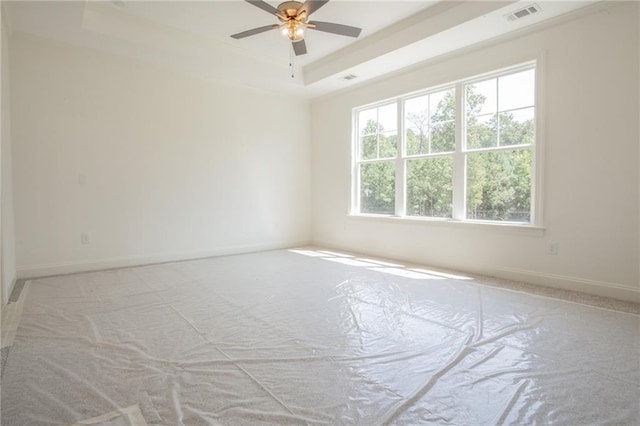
524 12
348 77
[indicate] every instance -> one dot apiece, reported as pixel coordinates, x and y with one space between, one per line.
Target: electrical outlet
552 247
82 179
85 238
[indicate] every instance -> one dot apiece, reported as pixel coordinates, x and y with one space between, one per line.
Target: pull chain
291 57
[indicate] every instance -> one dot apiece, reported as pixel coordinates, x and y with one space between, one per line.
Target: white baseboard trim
563 282
9 291
599 288
62 268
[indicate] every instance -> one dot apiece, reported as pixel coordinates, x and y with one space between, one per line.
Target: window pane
481 98
443 137
367 122
499 186
430 187
516 90
388 141
429 123
369 147
443 114
517 127
419 105
377 188
442 105
377 132
482 132
417 141
388 117
416 121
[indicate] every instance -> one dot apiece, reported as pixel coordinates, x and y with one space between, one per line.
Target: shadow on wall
379 266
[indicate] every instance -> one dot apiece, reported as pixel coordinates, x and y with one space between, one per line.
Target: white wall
591 163
8 256
176 167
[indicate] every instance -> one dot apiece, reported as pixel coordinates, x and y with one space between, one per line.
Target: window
430 139
464 151
378 149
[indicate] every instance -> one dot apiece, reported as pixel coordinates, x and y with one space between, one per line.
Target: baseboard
599 288
563 282
62 268
7 295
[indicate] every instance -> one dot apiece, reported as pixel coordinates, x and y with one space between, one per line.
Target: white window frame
459 155
355 155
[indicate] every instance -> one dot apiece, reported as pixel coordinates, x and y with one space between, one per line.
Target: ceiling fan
293 16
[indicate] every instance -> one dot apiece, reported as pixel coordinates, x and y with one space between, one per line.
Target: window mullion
459 171
401 174
498 138
378 133
428 124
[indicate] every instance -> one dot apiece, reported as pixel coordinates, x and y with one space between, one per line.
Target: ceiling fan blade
330 27
311 6
254 31
299 47
264 6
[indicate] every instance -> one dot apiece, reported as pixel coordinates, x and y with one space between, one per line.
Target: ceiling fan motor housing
290 8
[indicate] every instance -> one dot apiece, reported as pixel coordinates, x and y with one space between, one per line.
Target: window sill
510 227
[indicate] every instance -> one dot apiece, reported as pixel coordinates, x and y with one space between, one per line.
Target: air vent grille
348 77
524 12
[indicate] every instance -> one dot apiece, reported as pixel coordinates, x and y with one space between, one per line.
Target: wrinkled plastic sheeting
130 416
309 337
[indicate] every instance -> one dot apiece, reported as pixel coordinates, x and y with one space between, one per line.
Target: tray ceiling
194 36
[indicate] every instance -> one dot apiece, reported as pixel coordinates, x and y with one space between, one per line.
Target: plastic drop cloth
310 337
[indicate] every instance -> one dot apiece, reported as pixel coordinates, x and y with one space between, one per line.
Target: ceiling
194 36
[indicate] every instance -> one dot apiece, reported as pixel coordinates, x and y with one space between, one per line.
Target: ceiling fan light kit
293 17
293 30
